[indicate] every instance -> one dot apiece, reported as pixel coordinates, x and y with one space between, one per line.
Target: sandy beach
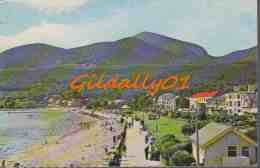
84 147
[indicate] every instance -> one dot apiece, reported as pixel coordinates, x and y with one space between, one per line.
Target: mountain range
41 68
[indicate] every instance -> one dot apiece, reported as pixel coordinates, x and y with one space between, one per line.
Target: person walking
146 138
3 165
146 151
106 149
114 139
17 165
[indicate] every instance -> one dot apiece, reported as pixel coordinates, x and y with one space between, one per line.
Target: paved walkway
135 144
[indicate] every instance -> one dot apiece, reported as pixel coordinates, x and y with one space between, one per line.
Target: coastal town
209 128
128 83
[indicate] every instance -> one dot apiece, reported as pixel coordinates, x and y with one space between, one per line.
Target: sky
220 26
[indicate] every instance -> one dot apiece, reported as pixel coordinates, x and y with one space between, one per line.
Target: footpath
135 145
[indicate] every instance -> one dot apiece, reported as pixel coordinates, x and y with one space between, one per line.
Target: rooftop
205 94
209 132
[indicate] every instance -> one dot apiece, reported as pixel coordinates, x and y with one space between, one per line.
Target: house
75 102
167 101
54 100
201 98
118 102
240 102
222 145
216 104
125 107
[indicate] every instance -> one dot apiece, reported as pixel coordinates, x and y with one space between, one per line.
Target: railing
120 149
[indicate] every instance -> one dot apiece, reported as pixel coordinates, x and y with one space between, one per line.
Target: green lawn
166 126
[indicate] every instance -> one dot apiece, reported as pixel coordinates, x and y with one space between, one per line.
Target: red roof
205 94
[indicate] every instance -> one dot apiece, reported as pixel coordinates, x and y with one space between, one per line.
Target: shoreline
83 147
34 109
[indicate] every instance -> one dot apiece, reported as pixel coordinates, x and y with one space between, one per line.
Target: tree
166 146
9 103
182 102
188 129
68 94
141 101
181 158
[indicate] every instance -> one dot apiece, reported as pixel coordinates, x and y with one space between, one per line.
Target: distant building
125 106
241 101
119 101
222 145
74 102
54 100
201 98
216 104
167 101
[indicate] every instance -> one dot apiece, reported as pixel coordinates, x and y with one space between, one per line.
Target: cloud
44 32
220 26
53 6
70 35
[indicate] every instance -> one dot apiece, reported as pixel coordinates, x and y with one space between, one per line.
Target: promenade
135 144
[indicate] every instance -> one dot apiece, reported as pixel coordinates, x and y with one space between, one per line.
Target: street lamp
197 137
154 116
157 116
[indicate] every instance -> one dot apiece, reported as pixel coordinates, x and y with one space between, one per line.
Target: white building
167 101
201 98
241 101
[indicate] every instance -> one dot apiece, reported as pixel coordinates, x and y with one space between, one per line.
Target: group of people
16 164
130 122
149 141
110 126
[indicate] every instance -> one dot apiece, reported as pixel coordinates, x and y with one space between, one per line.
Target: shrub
187 147
186 115
188 129
166 145
181 158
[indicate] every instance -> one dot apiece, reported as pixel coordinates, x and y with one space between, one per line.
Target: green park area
170 140
166 126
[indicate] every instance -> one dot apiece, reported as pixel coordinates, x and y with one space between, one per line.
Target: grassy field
166 125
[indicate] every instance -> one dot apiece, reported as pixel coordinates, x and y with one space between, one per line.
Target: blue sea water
18 131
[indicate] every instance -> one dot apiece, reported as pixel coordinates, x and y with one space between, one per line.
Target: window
232 151
238 103
245 151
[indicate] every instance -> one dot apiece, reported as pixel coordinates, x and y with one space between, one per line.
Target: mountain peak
153 37
32 46
170 44
147 33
